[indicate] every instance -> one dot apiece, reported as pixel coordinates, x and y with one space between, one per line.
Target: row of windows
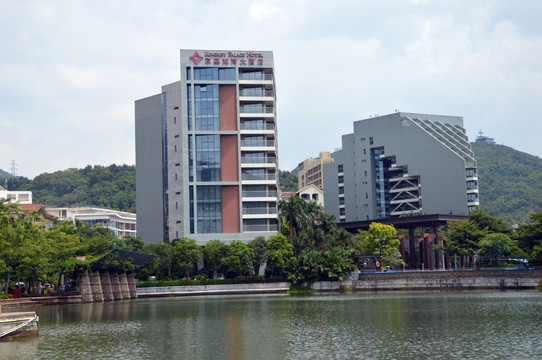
211 73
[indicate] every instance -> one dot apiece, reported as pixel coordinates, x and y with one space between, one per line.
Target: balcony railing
259 177
257 93
255 76
259 211
257 127
261 193
258 143
257 110
249 160
260 227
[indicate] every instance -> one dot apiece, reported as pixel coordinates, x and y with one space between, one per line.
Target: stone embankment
437 280
222 289
366 282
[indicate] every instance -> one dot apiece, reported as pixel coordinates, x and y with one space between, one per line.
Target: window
188 73
371 141
340 168
205 73
208 158
341 179
206 107
341 190
342 211
209 209
341 201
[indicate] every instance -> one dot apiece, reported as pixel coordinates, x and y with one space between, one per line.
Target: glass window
339 168
226 74
188 73
209 209
189 105
206 73
208 158
207 107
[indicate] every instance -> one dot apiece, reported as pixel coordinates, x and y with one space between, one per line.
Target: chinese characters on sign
229 58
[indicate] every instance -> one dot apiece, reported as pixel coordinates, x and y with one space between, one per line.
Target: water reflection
371 326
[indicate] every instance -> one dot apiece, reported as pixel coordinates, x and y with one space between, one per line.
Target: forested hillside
510 182
110 187
4 174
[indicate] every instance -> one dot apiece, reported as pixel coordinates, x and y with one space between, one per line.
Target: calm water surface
459 325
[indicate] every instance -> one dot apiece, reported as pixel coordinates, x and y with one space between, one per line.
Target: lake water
416 325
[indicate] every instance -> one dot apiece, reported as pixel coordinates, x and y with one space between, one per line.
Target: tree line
483 237
34 251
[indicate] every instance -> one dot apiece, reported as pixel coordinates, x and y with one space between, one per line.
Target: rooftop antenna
13 168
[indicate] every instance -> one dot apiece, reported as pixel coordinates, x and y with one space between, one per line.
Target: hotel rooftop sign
227 58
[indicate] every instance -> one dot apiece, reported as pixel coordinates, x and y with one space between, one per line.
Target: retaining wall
438 280
392 281
221 289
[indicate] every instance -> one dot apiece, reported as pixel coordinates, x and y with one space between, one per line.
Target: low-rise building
21 197
122 223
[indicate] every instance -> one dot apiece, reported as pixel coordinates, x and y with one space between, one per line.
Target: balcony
255 76
256 93
251 160
259 194
259 211
257 110
262 143
256 177
260 127
256 228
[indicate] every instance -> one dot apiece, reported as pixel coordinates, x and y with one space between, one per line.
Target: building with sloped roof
402 164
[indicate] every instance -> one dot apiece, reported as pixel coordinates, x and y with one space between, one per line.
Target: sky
70 71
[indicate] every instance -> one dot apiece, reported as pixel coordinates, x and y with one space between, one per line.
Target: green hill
4 174
111 187
510 181
510 184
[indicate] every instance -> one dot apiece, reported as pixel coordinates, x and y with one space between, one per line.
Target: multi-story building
402 164
206 150
309 172
122 223
21 197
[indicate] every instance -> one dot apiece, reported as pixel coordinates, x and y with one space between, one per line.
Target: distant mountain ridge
4 174
509 181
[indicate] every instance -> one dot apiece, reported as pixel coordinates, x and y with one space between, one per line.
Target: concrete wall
222 289
435 280
149 181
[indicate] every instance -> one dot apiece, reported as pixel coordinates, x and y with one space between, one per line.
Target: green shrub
6 296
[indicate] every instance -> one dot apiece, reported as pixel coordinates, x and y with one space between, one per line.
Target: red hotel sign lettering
228 58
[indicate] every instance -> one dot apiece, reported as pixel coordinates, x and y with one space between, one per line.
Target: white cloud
71 71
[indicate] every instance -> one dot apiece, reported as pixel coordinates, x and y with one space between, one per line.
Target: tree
462 238
530 238
19 239
496 245
489 223
381 240
293 212
238 257
261 253
186 253
213 253
280 253
162 266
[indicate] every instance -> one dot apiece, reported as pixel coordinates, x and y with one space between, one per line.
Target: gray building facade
206 150
402 164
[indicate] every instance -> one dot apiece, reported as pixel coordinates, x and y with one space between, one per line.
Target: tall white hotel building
206 150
